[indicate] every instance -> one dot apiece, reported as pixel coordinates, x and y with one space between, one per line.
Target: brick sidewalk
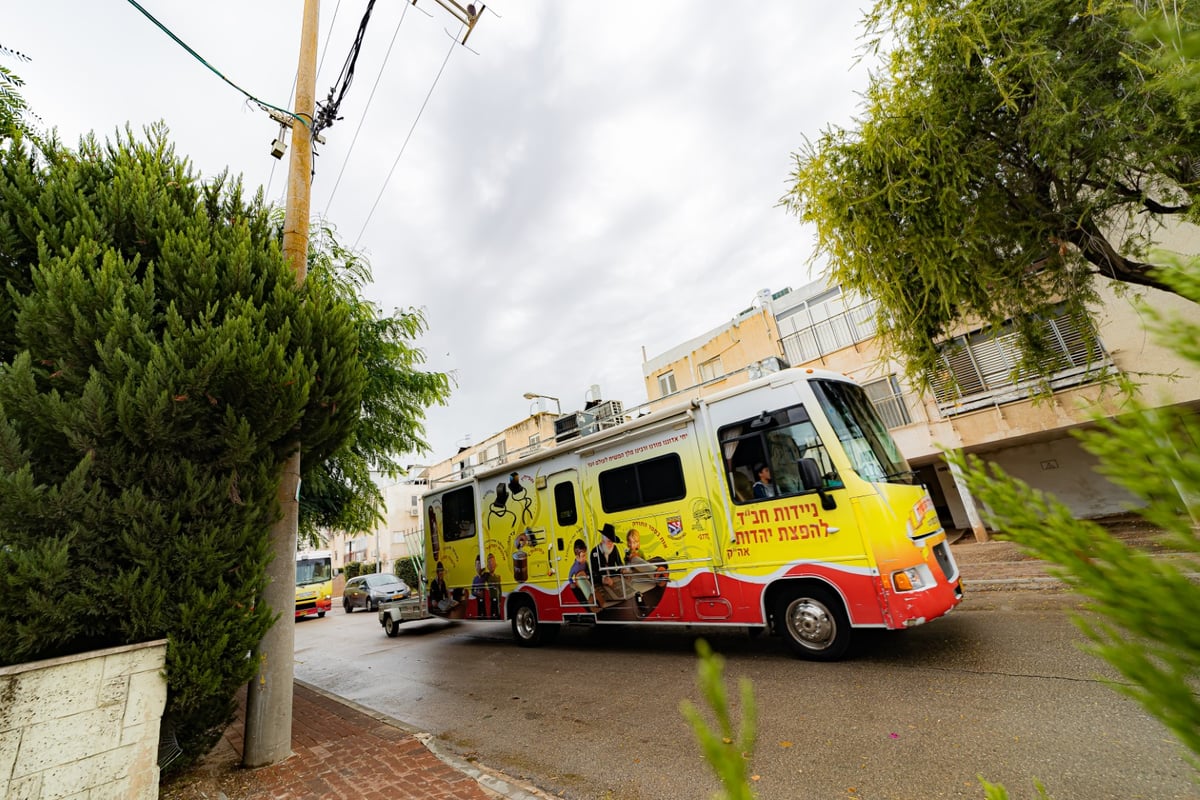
340 750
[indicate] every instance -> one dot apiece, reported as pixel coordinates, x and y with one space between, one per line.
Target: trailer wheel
527 630
815 624
390 626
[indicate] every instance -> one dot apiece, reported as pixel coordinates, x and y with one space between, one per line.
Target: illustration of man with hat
605 562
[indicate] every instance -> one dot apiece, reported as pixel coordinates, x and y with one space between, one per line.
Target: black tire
371 605
815 624
346 605
527 630
320 615
390 626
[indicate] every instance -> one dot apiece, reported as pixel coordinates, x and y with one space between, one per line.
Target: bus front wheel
815 624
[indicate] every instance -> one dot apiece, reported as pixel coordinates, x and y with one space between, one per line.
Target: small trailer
414 606
398 611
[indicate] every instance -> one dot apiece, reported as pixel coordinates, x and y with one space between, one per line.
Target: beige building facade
982 410
976 405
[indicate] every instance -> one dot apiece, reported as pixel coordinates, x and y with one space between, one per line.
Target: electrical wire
327 112
453 44
260 103
328 37
363 119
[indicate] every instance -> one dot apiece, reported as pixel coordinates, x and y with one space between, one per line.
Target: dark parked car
368 591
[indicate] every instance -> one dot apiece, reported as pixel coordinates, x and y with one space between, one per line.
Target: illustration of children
479 589
579 577
491 580
636 563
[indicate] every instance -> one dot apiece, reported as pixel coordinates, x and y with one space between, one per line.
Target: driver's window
775 454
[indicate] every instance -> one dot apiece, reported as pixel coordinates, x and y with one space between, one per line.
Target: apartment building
397 537
976 404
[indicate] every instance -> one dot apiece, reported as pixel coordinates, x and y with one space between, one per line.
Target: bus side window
564 504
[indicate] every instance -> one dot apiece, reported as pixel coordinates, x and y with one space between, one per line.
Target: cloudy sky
595 183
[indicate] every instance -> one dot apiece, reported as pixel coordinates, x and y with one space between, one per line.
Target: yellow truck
782 504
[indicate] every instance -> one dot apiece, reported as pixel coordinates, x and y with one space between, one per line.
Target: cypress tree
156 355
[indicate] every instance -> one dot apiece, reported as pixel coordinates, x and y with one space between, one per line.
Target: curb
1039 582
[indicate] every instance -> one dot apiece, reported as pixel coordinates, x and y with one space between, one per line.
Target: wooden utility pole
268 732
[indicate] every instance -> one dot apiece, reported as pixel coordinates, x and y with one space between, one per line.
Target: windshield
313 570
872 450
382 579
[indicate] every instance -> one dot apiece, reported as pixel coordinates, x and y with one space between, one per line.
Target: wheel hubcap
526 623
811 624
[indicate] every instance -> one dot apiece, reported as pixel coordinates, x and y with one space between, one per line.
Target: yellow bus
781 505
314 582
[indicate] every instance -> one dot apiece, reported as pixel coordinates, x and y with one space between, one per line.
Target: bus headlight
906 580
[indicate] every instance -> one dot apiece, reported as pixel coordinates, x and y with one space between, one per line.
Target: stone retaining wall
83 727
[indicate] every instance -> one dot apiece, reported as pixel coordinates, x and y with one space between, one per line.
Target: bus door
656 497
565 538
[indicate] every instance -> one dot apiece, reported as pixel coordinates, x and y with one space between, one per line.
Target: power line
262 104
327 112
328 37
363 119
453 43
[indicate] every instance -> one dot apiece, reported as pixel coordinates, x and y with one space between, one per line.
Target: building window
885 395
666 384
495 454
711 370
984 368
535 440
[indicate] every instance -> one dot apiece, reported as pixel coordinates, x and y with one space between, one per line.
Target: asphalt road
998 689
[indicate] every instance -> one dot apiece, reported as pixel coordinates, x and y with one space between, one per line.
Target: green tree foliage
156 355
1007 152
17 120
338 493
1145 608
726 751
13 109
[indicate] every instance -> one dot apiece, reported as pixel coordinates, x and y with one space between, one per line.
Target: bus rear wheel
814 623
528 630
